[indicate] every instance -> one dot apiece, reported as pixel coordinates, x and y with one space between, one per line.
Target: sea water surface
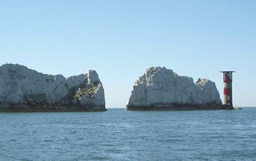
123 135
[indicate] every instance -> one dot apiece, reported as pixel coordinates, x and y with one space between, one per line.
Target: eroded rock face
23 89
161 88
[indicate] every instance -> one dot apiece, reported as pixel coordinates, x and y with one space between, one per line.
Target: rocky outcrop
23 89
162 89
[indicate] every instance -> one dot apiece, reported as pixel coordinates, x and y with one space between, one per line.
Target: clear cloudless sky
121 39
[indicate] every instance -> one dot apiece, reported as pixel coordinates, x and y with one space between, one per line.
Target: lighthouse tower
227 78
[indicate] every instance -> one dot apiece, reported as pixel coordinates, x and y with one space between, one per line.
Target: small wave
26 159
47 140
108 145
12 140
99 158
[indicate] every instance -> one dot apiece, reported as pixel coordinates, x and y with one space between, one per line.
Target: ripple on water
12 140
47 140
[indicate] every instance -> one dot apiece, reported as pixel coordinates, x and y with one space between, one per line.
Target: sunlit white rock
21 87
161 87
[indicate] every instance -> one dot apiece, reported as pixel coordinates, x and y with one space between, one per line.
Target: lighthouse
227 78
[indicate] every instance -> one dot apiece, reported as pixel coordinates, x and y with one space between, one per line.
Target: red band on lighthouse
227 91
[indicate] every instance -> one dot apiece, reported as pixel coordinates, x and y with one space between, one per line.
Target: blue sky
120 39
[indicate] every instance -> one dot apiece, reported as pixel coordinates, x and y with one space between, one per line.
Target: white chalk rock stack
23 89
161 88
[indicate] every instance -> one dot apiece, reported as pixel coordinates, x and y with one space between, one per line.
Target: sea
129 136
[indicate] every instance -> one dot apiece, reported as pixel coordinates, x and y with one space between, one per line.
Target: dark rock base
178 107
50 108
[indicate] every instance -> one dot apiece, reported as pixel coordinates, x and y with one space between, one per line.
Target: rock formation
23 89
162 89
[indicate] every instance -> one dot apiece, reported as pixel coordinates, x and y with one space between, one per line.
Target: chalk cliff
23 89
162 89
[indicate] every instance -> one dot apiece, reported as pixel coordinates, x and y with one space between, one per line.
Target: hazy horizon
121 39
